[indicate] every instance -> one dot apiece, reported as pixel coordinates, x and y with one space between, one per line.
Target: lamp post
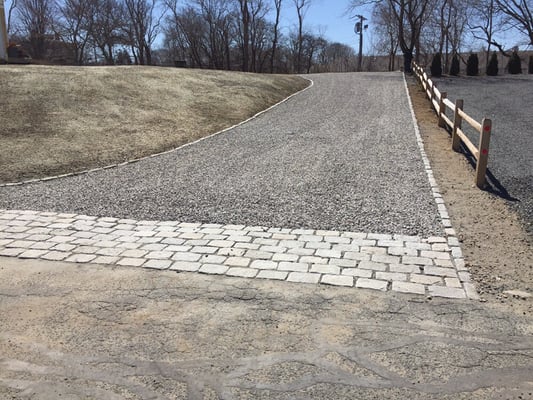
359 29
3 33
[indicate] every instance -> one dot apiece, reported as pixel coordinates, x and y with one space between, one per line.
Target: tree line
418 28
221 34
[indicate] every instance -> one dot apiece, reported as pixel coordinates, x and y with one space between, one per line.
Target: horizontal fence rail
441 103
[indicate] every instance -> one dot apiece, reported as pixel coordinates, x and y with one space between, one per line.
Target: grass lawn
55 120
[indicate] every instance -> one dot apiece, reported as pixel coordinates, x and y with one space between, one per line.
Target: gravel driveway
508 101
342 155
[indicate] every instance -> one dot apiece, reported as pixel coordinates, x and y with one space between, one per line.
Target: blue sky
327 17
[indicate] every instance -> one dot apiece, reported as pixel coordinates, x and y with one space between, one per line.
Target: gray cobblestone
407 287
238 261
242 272
391 276
337 280
448 272
105 260
285 257
131 261
303 277
443 291
264 264
213 269
185 266
372 265
269 274
158 264
365 283
325 269
56 255
361 273
291 266
81 258
367 260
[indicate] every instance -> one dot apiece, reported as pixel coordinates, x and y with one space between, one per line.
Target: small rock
519 294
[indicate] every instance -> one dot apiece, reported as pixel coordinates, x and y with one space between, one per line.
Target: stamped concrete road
329 187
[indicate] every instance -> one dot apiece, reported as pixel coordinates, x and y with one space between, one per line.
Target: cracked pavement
90 331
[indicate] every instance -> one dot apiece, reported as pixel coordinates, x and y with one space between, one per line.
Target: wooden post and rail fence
440 102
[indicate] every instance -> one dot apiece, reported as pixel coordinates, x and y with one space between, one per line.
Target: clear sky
329 18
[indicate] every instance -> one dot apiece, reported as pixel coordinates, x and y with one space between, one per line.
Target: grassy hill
55 120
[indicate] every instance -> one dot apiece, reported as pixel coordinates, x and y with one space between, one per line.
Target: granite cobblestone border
430 266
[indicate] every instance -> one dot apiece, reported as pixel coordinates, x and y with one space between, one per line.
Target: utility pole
3 33
359 29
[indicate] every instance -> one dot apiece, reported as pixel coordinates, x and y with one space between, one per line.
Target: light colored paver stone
443 291
361 273
295 267
213 269
391 276
372 265
238 261
264 264
425 279
365 283
158 264
408 287
438 271
132 261
337 280
270 274
184 256
81 258
185 266
105 260
325 269
56 255
242 272
303 277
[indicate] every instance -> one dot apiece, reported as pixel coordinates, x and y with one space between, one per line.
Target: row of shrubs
514 66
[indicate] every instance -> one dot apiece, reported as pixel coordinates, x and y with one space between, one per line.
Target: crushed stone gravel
341 155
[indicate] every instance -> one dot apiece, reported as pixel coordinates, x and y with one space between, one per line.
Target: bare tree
386 32
301 9
275 38
10 12
409 17
36 19
75 24
107 25
142 28
519 15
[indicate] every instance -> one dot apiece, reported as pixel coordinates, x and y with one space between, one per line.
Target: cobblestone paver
408 264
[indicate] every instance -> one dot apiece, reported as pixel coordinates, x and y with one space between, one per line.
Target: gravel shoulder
341 155
495 243
507 100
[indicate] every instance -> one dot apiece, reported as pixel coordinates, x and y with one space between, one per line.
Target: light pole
359 29
3 33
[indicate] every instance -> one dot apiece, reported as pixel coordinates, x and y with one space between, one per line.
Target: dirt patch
55 120
497 249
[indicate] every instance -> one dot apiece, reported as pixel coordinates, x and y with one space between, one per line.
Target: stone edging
451 235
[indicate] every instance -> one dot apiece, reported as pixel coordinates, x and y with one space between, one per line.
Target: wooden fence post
457 124
484 142
442 109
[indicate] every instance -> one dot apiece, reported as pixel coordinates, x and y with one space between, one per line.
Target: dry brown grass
55 120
